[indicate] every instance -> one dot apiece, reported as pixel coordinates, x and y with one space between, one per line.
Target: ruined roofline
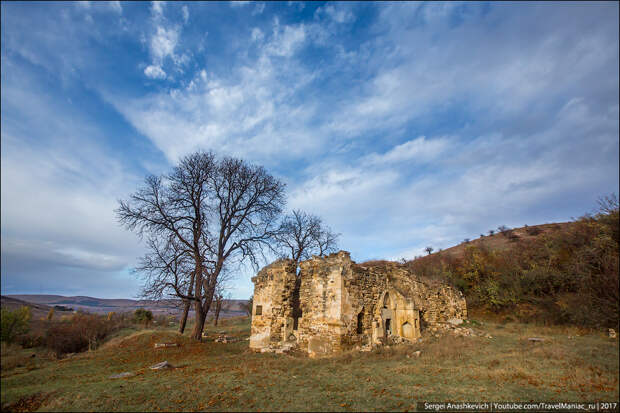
364 267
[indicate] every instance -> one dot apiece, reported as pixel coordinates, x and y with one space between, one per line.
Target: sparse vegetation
571 364
566 275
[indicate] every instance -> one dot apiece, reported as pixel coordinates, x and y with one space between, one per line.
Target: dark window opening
388 327
360 322
297 313
259 310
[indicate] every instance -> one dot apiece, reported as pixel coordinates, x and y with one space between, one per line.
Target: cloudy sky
401 124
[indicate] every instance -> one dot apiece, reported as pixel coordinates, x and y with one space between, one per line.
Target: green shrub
14 323
142 316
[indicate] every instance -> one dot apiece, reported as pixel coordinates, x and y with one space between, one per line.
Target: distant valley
43 303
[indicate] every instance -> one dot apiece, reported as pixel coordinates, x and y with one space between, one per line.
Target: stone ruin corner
333 304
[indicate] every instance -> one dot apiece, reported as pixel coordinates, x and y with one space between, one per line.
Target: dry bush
533 231
83 332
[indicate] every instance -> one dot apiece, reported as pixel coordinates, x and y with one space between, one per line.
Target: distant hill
37 310
43 302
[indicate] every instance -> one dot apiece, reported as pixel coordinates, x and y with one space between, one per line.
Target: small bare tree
429 250
247 306
504 230
204 215
301 235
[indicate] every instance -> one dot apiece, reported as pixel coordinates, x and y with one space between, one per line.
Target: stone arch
387 301
360 322
407 329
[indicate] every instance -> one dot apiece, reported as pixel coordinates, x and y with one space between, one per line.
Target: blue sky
401 124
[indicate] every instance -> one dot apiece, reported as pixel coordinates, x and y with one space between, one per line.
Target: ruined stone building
333 304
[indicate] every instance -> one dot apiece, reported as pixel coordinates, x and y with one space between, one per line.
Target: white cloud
419 149
163 42
157 8
238 3
154 72
341 13
116 6
257 34
185 12
285 42
258 9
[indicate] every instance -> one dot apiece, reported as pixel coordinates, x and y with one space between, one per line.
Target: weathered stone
162 365
535 340
160 345
455 321
225 339
612 333
334 304
417 353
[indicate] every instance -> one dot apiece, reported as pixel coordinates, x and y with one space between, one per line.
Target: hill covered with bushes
552 273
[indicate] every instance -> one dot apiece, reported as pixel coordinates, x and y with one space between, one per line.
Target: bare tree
206 214
429 250
219 298
247 306
301 235
504 230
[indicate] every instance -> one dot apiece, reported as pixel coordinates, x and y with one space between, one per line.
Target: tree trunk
184 317
200 321
200 313
218 308
187 304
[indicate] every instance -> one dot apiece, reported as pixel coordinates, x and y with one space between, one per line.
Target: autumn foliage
568 274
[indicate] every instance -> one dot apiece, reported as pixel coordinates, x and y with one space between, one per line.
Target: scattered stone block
160 345
162 365
612 333
535 340
417 353
455 321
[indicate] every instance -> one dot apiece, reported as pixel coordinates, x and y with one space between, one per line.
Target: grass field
570 365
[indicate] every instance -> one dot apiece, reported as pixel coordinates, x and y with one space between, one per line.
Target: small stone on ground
162 365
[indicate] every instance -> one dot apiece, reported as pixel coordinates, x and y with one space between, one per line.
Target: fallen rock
455 321
225 339
121 375
417 353
536 339
159 345
162 365
612 333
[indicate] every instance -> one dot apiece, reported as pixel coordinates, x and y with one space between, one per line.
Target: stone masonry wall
344 304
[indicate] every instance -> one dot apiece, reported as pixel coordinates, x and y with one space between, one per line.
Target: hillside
12 303
551 273
500 241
